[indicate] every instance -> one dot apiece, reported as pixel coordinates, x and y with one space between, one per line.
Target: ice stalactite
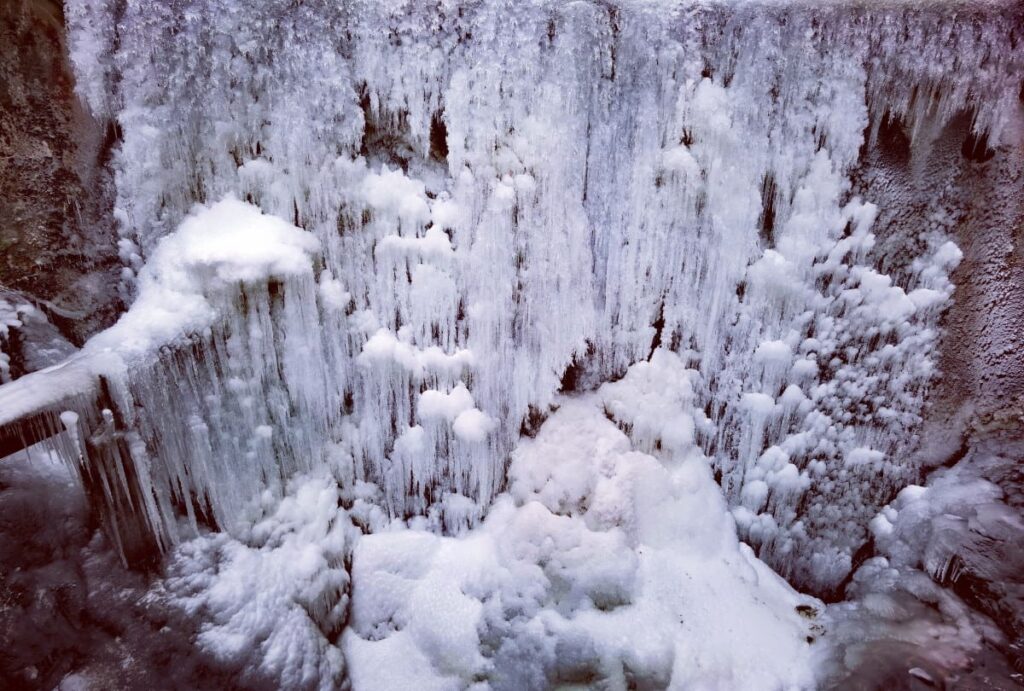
504 191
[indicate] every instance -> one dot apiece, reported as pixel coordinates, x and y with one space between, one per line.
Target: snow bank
214 250
594 539
268 602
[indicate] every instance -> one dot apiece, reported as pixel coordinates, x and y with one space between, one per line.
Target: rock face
949 178
982 388
57 242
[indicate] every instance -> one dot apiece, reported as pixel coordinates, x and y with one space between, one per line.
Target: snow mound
601 566
268 602
214 249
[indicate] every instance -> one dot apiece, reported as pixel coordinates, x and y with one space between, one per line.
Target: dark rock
58 246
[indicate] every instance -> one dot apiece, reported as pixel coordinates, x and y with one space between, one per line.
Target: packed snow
214 251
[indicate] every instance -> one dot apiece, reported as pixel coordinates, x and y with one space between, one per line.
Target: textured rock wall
981 390
984 359
960 185
57 244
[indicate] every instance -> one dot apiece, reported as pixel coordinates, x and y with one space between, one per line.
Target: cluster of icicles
510 199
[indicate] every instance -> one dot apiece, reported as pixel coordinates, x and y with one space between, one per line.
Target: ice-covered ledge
186 278
192 283
215 249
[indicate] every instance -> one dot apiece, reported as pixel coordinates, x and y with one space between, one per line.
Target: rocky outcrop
57 242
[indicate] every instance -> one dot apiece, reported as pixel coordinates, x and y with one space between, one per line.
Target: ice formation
269 600
602 565
378 243
504 193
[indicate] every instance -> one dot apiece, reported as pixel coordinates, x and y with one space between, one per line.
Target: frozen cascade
202 343
507 196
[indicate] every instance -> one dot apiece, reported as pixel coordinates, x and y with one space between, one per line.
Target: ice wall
507 192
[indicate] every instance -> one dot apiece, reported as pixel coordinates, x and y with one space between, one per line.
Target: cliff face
954 179
58 249
982 388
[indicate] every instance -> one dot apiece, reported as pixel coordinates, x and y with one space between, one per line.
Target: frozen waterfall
396 246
